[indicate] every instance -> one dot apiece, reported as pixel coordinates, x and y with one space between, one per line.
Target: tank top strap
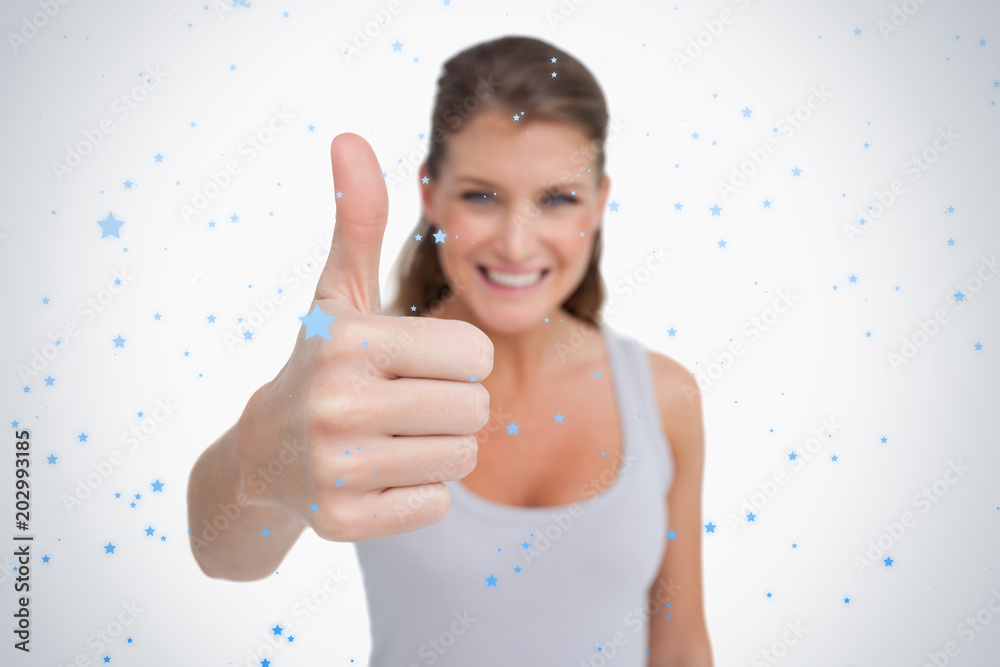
636 394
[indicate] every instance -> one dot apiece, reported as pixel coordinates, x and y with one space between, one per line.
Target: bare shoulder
679 400
676 387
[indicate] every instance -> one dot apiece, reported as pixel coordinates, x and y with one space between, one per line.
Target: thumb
351 271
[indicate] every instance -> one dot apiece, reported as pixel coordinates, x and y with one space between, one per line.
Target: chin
508 320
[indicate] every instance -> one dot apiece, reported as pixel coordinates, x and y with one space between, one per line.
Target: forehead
493 146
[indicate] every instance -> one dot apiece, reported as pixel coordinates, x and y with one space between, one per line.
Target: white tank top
494 585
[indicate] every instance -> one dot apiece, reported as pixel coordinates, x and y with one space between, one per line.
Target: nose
515 236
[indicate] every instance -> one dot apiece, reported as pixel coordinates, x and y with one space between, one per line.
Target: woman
573 443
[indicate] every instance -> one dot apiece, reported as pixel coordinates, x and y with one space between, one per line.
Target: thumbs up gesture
368 451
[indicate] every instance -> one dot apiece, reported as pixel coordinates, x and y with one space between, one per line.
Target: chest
567 446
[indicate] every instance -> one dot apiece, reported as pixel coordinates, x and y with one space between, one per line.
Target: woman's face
518 198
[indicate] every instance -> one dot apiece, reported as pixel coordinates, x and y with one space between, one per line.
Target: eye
556 198
478 197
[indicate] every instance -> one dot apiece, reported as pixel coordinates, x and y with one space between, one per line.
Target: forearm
226 531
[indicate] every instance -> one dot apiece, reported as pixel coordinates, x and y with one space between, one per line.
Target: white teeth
514 280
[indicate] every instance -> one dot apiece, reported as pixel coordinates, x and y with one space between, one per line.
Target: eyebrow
472 179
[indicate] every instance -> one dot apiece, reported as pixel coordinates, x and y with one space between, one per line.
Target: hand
368 424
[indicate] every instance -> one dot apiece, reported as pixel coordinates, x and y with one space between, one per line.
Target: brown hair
521 68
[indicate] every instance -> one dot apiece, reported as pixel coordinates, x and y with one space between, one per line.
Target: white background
892 90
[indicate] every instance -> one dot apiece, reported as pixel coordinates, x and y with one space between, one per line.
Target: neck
520 359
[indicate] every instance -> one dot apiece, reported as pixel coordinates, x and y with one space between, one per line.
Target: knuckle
482 406
349 332
486 354
337 525
469 447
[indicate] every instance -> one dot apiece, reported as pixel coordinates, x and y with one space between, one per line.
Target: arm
226 529
681 641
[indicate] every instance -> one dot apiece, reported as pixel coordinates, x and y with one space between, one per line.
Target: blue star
722 243
110 226
710 527
517 568
694 135
746 112
979 346
247 335
424 180
597 374
884 439
156 316
888 562
751 516
396 46
857 31
559 418
340 195
52 458
613 206
82 437
234 217
678 206
45 300
158 157
265 532
276 630
512 429
109 549
314 507
767 203
50 381
45 559
157 485
671 535
796 171
491 581
311 127
418 237
853 278
715 209
119 342
127 184
14 424
671 332
316 323
211 319
26 389
951 242
150 531
959 296
439 237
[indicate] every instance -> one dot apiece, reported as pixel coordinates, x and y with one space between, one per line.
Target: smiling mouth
512 280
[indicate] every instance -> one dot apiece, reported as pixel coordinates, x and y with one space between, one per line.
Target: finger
415 406
417 347
351 271
389 462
